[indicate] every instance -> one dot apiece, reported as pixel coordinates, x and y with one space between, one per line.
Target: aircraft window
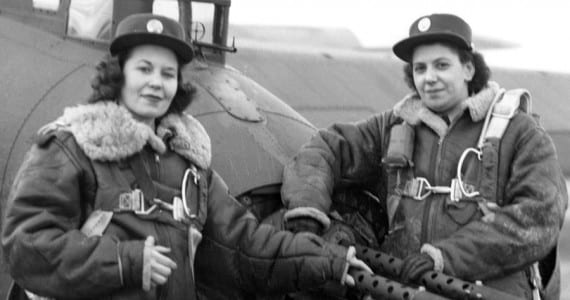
90 19
202 16
47 4
52 5
167 8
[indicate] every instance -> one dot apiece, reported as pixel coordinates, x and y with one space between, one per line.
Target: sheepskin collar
108 132
412 110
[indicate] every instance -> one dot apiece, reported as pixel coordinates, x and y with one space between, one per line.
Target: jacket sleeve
526 228
339 155
236 250
44 250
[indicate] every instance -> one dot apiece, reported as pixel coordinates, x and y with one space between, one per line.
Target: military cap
434 28
148 28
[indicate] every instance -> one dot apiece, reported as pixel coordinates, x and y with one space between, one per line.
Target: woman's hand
157 266
414 266
356 263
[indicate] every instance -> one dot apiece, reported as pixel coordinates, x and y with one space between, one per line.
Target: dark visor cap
139 29
434 28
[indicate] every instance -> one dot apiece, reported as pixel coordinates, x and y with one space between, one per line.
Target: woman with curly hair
117 195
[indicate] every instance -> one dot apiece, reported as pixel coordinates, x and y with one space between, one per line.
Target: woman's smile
152 98
151 81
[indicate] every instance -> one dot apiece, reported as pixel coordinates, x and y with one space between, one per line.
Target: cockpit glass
202 16
52 5
90 19
167 8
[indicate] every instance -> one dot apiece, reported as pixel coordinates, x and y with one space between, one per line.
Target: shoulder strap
504 107
502 111
202 197
142 176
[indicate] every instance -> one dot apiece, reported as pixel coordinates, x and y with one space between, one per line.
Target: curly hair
109 80
479 80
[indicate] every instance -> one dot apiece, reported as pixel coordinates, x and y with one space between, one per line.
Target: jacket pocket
462 212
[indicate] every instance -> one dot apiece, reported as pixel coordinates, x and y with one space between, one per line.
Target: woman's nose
431 75
155 81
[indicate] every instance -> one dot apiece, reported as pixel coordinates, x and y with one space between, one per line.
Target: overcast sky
540 27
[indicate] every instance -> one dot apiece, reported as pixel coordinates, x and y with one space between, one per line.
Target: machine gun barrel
383 288
435 282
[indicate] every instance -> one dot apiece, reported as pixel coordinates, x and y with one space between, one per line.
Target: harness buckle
455 194
419 188
195 174
134 201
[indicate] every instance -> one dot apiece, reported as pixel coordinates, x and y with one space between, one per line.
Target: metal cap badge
139 29
434 28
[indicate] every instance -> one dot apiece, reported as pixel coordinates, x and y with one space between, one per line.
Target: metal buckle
134 201
417 188
195 174
456 194
176 208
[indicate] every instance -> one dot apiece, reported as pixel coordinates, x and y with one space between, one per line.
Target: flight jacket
79 165
528 189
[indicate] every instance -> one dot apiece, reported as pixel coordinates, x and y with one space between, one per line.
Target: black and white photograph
284 150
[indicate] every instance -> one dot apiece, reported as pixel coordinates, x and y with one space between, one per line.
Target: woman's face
439 76
151 81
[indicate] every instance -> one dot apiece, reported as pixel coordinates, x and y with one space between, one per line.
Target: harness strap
143 178
96 223
535 281
503 111
504 107
419 188
142 201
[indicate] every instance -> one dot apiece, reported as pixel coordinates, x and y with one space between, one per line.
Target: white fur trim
413 110
308 212
435 254
189 138
106 131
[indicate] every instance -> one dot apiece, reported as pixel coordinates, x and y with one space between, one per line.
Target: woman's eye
442 65
169 75
144 69
419 69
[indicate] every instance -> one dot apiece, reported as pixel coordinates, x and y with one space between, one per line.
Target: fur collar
414 111
108 132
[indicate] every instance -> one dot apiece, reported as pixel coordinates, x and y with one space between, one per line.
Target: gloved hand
414 266
304 224
355 263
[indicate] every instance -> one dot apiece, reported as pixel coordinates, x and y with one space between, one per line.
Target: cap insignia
424 24
154 26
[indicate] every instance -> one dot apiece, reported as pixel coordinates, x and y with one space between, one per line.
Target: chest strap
143 202
135 200
419 188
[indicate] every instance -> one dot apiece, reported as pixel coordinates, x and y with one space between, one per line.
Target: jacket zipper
427 218
157 164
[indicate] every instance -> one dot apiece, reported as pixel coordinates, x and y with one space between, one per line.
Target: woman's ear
468 71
